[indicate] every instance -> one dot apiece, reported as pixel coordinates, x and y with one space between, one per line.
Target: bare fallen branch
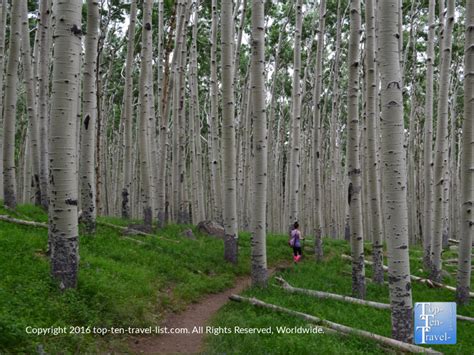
422 280
326 295
340 328
23 222
135 231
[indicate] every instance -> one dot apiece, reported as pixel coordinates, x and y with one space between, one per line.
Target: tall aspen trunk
373 190
228 134
31 103
353 160
63 226
195 124
428 142
128 113
316 144
467 164
145 71
44 44
216 190
441 154
88 126
394 174
10 108
257 79
294 163
3 26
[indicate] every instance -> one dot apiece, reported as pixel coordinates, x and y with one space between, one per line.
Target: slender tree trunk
395 178
128 113
353 163
294 164
441 156
10 108
44 44
63 227
228 134
257 78
31 103
216 191
374 188
467 163
428 142
316 171
145 71
88 134
3 26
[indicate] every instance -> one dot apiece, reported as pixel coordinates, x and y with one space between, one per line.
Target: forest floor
197 315
122 283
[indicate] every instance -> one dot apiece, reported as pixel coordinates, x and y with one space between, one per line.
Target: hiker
295 238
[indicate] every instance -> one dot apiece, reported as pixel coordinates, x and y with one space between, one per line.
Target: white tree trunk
88 126
257 79
63 225
228 134
10 108
3 26
294 163
353 160
467 165
395 178
441 154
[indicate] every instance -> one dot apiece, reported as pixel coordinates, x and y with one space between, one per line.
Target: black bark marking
76 31
147 26
71 202
350 192
86 122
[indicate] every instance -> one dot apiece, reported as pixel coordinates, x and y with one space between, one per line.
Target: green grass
121 283
331 275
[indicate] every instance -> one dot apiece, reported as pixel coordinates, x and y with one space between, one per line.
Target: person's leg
295 251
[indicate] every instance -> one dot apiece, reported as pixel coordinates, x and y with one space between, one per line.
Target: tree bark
128 113
394 174
63 225
353 160
10 108
257 79
88 126
441 154
228 133
3 26
467 164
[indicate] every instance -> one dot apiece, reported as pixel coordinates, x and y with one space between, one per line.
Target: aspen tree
63 225
228 134
316 144
30 85
428 142
257 78
353 163
43 62
467 164
394 174
374 187
294 164
441 153
128 112
10 108
3 26
145 71
88 126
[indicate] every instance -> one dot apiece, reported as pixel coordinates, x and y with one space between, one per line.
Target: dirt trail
196 315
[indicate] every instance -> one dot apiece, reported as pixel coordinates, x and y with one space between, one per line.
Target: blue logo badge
435 323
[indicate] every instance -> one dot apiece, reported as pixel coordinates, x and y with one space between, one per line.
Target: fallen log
23 222
137 232
340 328
334 296
422 280
327 295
